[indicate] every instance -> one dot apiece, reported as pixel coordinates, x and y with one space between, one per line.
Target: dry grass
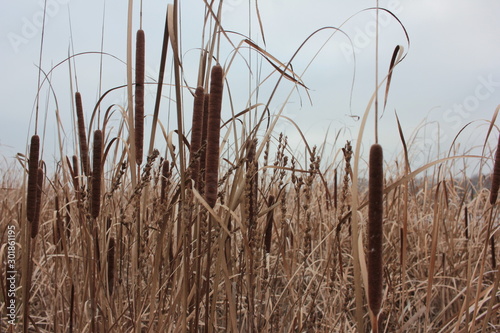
264 241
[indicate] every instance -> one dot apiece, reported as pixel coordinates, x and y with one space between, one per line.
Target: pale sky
450 77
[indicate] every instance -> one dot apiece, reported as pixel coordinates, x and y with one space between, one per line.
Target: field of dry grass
231 229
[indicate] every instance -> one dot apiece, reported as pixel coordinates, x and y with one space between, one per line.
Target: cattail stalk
82 136
32 177
375 233
213 134
139 94
96 174
38 204
196 134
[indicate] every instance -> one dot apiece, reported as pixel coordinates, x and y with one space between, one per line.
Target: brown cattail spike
196 134
82 136
213 134
38 205
165 175
32 177
139 95
96 173
111 264
375 230
495 182
204 134
269 225
76 183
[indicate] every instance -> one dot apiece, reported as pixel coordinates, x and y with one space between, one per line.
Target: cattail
75 174
252 188
269 225
375 232
111 264
196 134
213 133
82 136
139 95
204 133
165 175
38 205
495 182
96 174
32 177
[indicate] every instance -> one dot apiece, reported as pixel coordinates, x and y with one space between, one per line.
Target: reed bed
252 234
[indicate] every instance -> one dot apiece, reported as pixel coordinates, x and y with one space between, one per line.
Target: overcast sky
450 76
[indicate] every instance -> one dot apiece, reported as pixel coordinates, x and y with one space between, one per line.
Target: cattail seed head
165 175
32 177
252 185
75 174
38 205
269 225
82 136
139 94
213 134
375 230
196 134
96 173
495 182
111 264
204 134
